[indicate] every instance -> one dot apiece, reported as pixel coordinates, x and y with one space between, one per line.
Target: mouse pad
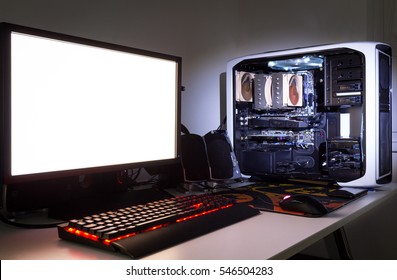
266 197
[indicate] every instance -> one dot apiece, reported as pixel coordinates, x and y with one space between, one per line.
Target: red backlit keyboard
143 229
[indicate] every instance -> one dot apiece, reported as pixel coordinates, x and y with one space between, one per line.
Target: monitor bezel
6 29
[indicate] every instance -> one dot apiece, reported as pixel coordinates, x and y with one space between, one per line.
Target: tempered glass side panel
301 116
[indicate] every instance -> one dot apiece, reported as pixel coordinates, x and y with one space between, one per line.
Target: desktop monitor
72 106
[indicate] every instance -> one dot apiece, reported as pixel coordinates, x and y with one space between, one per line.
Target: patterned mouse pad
266 196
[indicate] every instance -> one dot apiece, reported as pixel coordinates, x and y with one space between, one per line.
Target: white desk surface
266 236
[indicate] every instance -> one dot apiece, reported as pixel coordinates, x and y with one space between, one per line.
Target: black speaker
194 158
219 154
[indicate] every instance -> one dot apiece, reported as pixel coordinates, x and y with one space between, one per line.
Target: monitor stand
77 208
75 197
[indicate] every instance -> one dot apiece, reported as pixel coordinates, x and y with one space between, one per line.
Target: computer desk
265 236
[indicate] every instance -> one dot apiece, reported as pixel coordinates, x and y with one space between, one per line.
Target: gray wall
207 33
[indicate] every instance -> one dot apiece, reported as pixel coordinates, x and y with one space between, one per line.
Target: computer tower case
314 113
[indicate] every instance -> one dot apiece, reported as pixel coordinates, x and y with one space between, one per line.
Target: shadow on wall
222 96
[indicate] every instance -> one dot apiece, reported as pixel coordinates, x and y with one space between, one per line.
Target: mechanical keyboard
144 229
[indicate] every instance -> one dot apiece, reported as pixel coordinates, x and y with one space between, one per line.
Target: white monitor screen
76 106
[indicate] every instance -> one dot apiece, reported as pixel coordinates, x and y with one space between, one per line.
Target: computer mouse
303 203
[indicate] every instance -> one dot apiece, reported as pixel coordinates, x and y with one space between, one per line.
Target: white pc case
318 113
